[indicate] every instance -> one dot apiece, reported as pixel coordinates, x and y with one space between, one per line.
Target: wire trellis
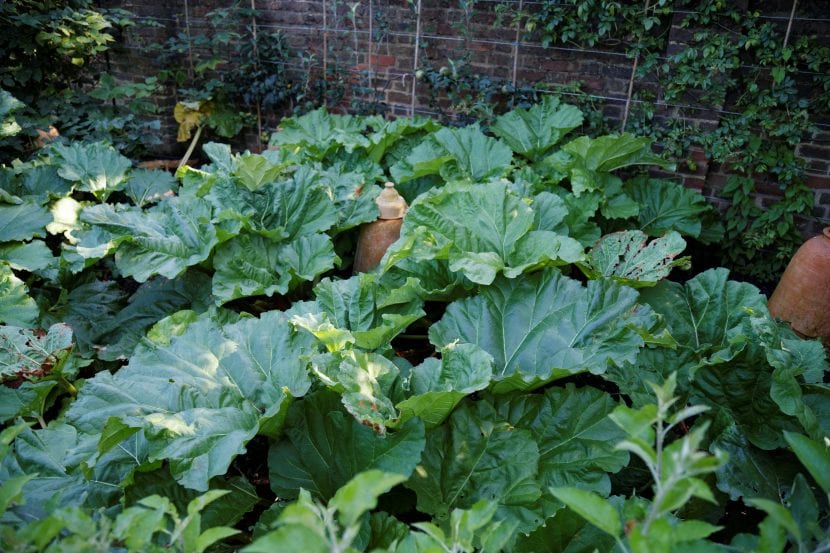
515 45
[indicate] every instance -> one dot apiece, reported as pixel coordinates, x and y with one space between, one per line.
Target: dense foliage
187 363
764 82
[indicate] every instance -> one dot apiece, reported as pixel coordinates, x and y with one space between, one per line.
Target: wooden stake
415 57
790 24
516 47
631 80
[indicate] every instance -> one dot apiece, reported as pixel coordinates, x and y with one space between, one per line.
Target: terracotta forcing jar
802 296
376 237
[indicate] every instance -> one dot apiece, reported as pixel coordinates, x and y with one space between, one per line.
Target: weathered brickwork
447 32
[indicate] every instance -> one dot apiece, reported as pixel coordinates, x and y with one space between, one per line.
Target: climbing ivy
768 92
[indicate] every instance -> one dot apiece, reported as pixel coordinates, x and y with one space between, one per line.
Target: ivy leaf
324 447
626 257
531 133
547 326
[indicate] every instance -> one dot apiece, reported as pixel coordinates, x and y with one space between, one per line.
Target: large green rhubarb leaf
16 307
199 400
8 105
324 447
752 472
250 264
145 186
317 134
353 196
164 240
436 387
547 326
457 155
279 210
577 440
356 311
23 221
96 168
476 157
482 230
531 133
666 205
705 313
478 455
117 337
49 454
626 257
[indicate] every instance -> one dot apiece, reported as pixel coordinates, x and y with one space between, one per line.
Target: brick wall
383 68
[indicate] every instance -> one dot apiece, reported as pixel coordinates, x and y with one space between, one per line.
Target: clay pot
802 296
376 237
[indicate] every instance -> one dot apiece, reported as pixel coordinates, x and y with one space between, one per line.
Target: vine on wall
767 86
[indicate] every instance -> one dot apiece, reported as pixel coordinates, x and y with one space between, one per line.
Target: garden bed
194 365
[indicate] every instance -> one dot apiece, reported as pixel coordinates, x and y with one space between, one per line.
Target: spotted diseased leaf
629 258
364 381
30 354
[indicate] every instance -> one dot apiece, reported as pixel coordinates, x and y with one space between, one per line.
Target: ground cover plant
188 363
